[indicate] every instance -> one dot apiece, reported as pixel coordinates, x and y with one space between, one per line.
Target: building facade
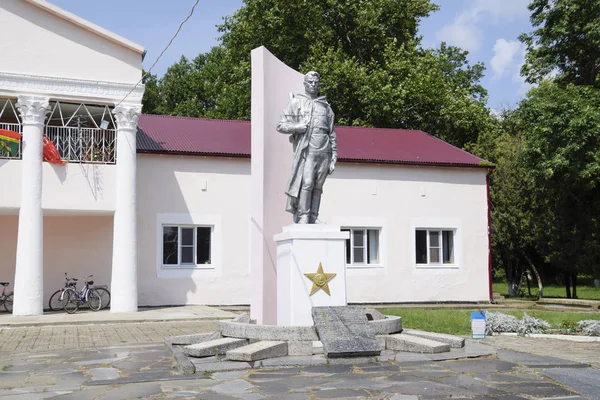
158 207
77 85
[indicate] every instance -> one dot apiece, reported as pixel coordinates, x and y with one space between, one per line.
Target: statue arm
288 122
333 141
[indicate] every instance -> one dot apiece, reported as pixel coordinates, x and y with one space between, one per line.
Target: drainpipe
489 222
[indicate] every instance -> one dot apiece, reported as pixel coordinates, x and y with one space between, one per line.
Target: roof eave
346 160
87 25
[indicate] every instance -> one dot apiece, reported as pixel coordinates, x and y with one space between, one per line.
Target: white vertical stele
272 83
124 263
29 272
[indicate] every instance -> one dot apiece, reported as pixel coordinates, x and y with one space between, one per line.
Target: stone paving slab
44 338
454 341
385 381
259 351
149 370
586 382
415 344
213 347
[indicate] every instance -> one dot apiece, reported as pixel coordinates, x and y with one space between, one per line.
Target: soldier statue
308 119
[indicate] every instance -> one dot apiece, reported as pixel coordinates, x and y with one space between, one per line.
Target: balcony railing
75 145
5 153
82 133
84 145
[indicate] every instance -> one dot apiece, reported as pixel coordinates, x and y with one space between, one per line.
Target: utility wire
162 52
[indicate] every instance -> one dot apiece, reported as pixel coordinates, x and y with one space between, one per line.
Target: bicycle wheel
57 301
93 300
72 304
8 302
104 296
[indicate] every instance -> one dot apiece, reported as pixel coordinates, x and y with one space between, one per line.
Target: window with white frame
434 246
186 245
362 248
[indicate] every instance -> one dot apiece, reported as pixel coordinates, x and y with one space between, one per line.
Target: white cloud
517 78
464 31
502 10
463 36
504 57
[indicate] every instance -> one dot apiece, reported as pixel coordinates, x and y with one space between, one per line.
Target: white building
171 224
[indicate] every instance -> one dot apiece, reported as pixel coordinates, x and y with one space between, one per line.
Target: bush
589 327
532 325
499 322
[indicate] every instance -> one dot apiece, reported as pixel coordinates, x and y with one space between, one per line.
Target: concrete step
194 338
414 344
213 347
259 351
456 342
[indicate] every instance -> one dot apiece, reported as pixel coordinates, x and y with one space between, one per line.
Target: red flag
51 153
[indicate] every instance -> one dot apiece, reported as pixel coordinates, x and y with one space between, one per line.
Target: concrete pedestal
300 250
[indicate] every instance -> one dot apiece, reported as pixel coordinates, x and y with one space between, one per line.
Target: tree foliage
545 190
566 40
373 67
562 155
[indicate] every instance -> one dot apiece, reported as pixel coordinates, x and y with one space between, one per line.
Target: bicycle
87 295
104 295
58 299
6 298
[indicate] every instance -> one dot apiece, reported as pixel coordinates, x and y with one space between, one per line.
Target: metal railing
5 153
84 145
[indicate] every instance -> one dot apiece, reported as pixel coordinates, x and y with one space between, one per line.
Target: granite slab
344 332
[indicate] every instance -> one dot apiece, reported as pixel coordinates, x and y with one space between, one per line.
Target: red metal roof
211 137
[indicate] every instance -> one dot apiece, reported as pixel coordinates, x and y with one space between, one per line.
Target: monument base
311 271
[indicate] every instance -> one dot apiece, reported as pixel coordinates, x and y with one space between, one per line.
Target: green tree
566 39
513 202
373 66
151 100
561 151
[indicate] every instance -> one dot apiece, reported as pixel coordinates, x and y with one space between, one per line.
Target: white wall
44 44
78 245
397 199
69 188
214 190
202 189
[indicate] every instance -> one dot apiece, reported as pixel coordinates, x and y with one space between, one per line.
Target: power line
162 52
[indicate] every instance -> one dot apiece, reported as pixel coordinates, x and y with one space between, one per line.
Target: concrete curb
387 357
572 338
105 322
184 365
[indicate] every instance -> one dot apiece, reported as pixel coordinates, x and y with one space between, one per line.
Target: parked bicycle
104 295
87 295
58 299
6 299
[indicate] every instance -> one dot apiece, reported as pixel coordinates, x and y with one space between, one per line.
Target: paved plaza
127 359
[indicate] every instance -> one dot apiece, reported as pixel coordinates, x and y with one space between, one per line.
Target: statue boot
314 207
304 203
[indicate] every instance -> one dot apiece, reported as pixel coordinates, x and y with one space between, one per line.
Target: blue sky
488 29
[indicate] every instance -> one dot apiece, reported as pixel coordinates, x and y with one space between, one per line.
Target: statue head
311 83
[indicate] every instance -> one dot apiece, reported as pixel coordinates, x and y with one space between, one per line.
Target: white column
124 295
29 272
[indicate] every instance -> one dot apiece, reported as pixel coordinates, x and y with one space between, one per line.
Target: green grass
556 291
458 321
